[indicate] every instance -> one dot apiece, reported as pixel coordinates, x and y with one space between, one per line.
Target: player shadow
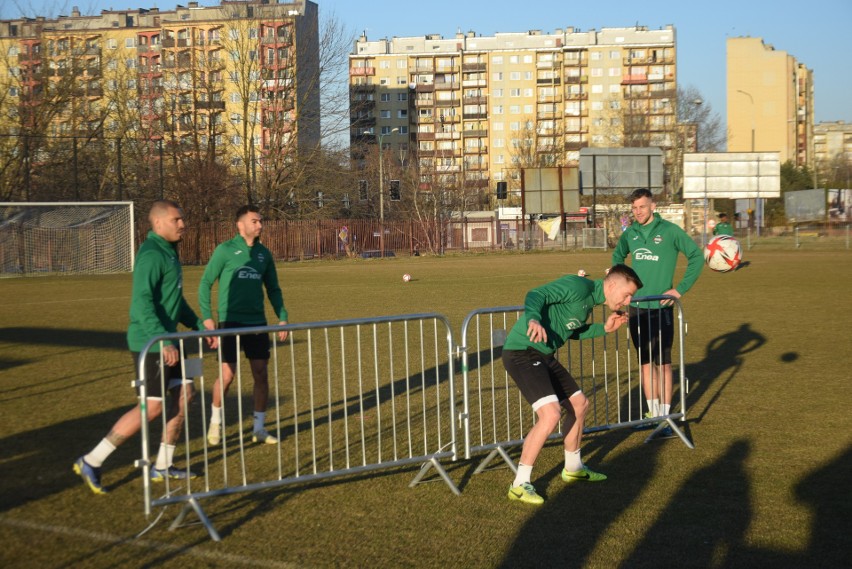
566 529
821 491
70 337
723 359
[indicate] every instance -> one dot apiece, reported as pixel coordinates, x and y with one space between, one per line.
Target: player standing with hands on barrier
553 314
653 244
243 267
156 306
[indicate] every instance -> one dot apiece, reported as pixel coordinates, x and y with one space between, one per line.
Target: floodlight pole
757 200
382 194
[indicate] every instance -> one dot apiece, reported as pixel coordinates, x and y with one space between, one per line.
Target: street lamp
757 205
382 193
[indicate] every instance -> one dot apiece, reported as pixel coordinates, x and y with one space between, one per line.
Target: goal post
48 238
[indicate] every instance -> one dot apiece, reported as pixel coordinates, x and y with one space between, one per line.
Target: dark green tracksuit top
562 308
242 272
156 302
653 250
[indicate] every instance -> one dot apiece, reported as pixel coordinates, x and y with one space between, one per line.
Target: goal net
66 238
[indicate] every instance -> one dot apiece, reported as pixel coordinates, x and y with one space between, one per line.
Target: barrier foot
433 463
506 458
194 505
669 422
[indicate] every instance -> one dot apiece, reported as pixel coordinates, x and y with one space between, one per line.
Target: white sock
215 415
164 457
665 408
99 454
524 474
259 419
573 463
654 407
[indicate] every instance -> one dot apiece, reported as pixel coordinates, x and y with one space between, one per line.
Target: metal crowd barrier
345 397
496 417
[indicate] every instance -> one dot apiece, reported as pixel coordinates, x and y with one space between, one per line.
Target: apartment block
833 145
240 78
478 108
770 101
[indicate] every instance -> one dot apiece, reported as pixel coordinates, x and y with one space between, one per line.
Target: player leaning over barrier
654 243
156 307
243 266
553 314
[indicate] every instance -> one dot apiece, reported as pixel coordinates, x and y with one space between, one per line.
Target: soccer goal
66 238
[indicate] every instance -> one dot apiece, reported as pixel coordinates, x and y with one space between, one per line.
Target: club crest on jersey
573 324
260 257
645 255
658 239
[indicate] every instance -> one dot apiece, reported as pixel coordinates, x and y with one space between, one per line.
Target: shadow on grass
722 361
64 337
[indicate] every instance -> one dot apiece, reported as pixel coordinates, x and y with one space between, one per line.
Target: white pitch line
148 544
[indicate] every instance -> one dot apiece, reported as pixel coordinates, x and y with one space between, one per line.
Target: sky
814 32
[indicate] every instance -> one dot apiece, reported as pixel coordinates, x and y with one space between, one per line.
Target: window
13 91
402 96
527 59
615 54
514 92
514 109
514 126
403 130
597 88
384 64
597 105
385 114
497 76
597 72
498 142
234 34
385 98
595 55
253 33
515 76
497 60
528 109
513 59
235 97
130 63
387 129
402 114
614 71
130 42
615 88
402 80
497 109
497 92
499 159
497 126
112 43
401 64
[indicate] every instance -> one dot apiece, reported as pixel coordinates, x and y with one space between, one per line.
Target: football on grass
406 277
723 253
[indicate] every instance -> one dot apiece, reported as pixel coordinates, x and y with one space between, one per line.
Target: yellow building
239 80
833 145
478 108
769 100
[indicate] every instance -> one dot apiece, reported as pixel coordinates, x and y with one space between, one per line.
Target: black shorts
254 346
652 333
541 378
153 380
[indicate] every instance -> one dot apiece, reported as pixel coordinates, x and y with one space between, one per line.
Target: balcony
445 86
210 105
362 87
425 136
448 103
576 79
424 88
474 67
634 79
548 81
477 133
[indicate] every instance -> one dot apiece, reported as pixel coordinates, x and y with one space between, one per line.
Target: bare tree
711 133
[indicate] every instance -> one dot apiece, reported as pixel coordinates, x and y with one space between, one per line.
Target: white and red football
406 277
723 253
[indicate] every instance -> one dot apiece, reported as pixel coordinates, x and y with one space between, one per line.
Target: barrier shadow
70 337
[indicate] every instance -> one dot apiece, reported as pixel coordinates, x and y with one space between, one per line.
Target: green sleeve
595 330
211 273
273 291
188 317
694 261
622 249
147 277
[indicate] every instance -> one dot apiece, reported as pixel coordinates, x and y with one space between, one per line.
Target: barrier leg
675 429
433 463
193 504
506 458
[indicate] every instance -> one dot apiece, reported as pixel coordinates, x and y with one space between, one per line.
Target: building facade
470 111
239 80
770 101
833 145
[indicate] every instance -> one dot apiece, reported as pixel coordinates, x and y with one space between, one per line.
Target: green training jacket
156 302
654 249
242 272
562 308
723 228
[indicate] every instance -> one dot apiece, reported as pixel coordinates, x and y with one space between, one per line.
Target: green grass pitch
766 486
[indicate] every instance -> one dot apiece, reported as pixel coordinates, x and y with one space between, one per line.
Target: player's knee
579 404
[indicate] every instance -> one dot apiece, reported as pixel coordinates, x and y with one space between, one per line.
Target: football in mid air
723 253
406 277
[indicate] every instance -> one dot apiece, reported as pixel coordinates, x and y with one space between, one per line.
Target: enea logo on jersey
573 324
248 273
645 255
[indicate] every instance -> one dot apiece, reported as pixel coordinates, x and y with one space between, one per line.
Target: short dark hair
723 214
641 193
625 272
246 209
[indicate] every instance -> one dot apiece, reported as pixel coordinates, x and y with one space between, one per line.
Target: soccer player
553 314
243 266
723 227
654 243
156 307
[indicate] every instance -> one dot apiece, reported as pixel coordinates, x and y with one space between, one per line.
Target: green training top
242 272
562 308
156 302
723 228
654 250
